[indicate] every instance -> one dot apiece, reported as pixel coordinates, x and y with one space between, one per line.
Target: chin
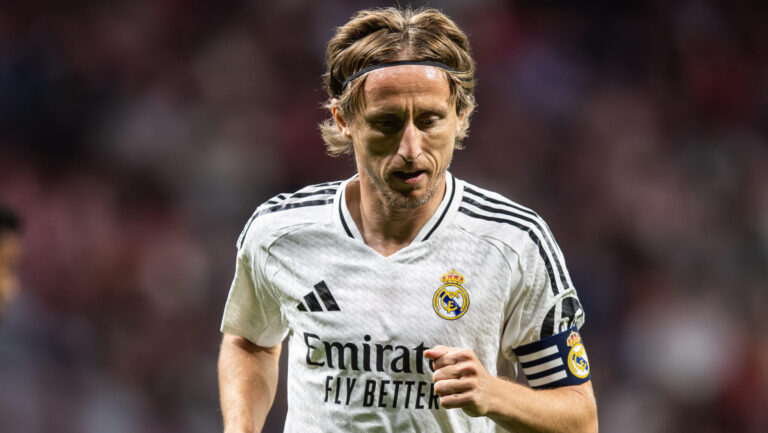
410 198
406 199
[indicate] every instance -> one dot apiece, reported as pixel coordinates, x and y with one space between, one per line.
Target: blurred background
136 138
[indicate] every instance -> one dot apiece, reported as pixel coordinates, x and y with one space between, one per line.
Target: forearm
521 409
247 383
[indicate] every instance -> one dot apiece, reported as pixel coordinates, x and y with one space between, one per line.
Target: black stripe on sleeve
570 306
312 303
278 208
276 199
325 295
313 193
293 205
503 203
274 204
531 234
336 182
552 250
548 326
508 204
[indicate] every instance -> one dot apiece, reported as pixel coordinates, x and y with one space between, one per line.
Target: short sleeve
541 328
252 310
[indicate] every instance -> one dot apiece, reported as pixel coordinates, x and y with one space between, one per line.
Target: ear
341 122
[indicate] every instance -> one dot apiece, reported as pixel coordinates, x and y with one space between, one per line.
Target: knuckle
467 355
467 369
473 383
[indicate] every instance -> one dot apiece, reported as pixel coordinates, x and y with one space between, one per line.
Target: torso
359 321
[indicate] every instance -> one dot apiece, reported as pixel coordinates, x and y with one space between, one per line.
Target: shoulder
490 215
287 211
516 228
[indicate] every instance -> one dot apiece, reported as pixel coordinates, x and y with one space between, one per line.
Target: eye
428 121
387 125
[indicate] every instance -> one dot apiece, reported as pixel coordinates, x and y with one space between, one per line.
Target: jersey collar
343 218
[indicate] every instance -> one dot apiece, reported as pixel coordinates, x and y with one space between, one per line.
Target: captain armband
559 360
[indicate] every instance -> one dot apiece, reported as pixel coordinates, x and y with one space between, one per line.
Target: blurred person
407 292
10 255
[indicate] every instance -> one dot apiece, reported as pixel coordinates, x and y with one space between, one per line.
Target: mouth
409 177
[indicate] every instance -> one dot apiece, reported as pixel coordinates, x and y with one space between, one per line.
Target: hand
461 381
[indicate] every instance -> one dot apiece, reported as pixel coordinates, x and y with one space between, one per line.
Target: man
10 253
405 291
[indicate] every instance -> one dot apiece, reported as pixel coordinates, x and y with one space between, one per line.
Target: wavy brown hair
377 36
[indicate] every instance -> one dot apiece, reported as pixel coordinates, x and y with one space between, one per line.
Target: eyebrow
382 111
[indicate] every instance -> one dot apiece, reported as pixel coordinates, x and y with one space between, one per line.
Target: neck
384 228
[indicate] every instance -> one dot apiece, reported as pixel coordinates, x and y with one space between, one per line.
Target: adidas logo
325 295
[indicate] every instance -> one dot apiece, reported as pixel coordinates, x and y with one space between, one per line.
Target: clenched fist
461 381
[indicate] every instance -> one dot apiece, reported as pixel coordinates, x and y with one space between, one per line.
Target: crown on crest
452 277
573 338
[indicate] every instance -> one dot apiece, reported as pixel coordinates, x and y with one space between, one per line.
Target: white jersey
483 273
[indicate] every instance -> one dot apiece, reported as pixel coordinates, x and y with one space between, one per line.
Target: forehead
396 84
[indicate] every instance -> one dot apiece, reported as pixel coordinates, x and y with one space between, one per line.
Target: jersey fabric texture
483 273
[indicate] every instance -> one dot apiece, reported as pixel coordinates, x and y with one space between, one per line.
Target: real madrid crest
451 300
577 357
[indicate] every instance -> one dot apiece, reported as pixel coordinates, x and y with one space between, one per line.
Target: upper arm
243 365
583 391
541 330
232 341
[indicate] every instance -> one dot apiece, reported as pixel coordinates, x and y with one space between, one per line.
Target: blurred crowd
136 138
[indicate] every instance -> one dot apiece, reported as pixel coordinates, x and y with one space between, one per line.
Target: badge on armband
559 360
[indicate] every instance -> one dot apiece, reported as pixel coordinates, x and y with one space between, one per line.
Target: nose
410 143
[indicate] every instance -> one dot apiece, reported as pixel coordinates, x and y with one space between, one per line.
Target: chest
451 291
